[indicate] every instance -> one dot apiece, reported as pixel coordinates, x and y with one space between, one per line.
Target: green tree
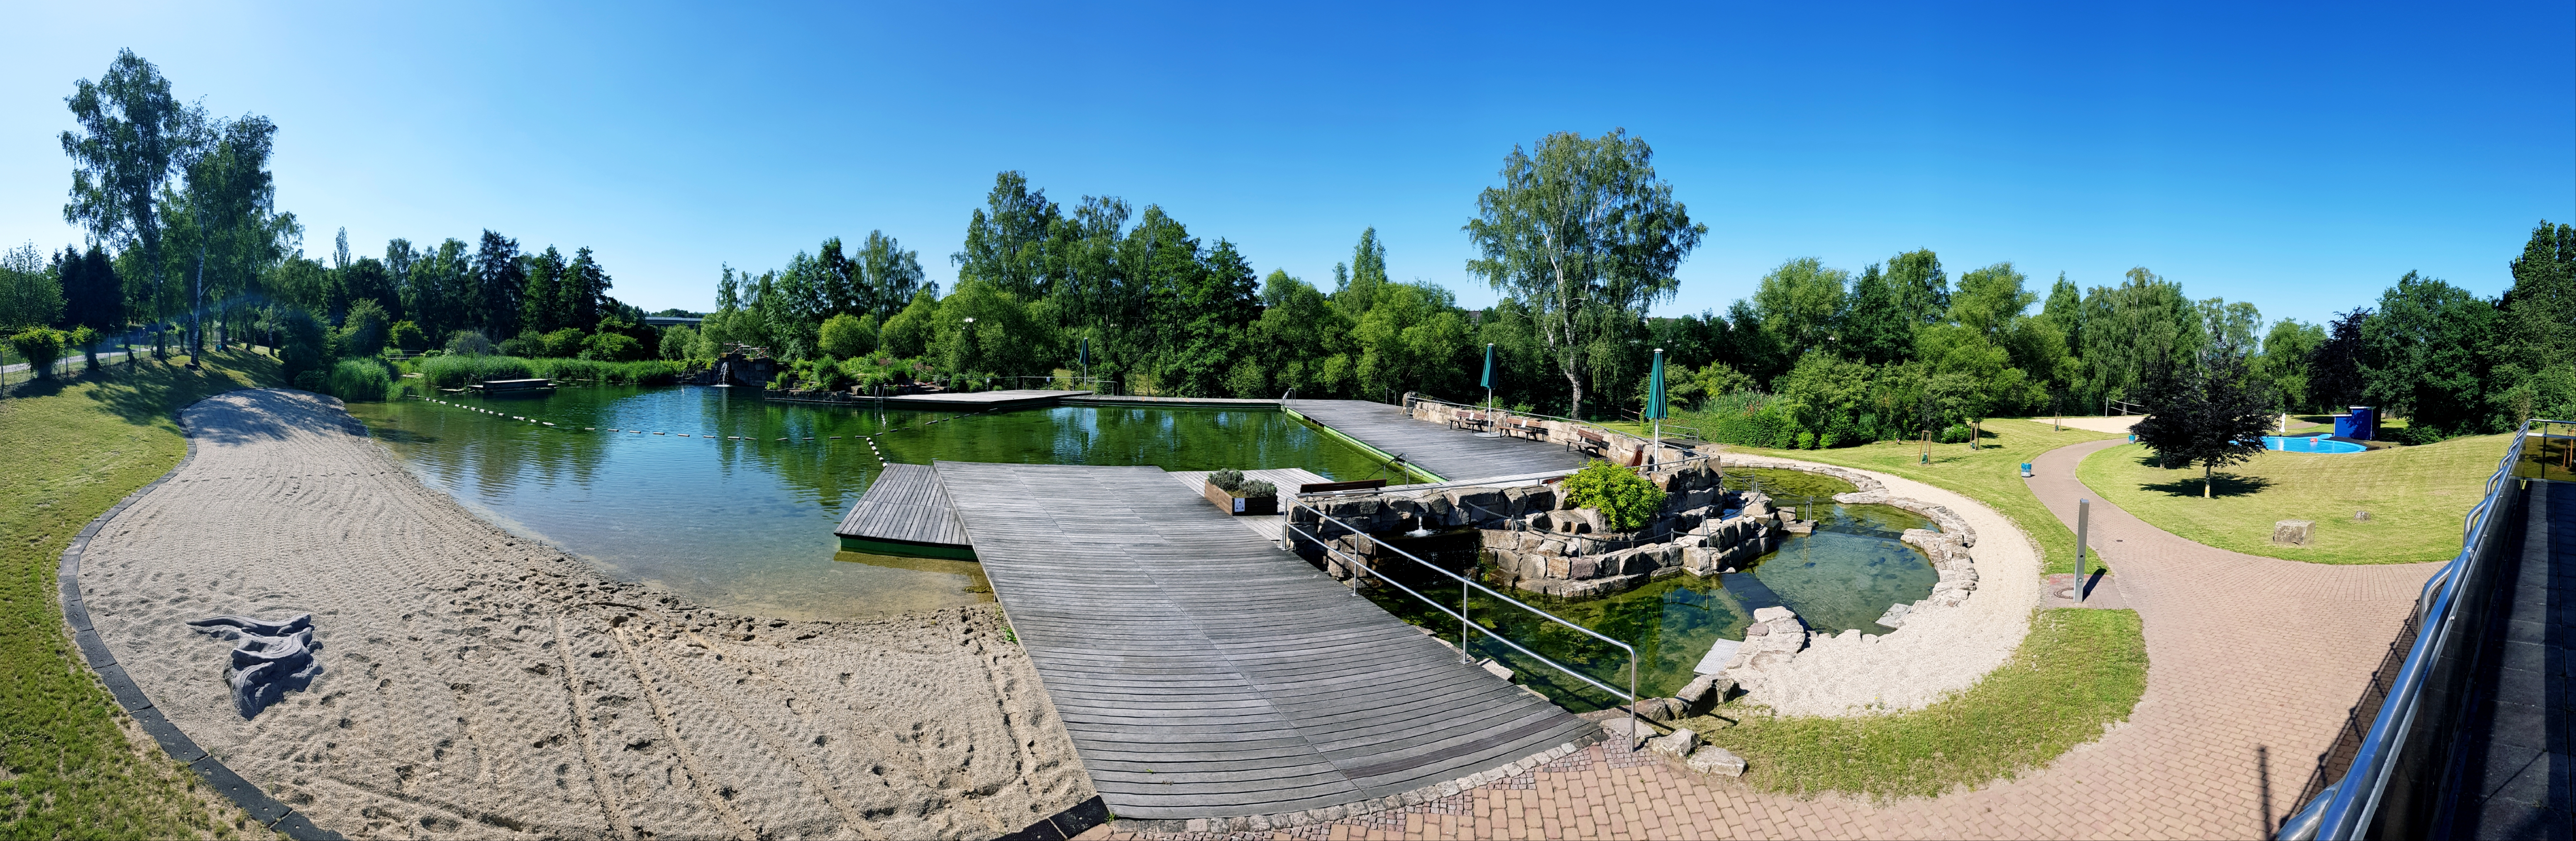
2130 329
230 203
408 338
132 136
366 330
1355 285
1301 341
1875 326
2283 366
845 336
1412 339
31 295
890 275
543 305
1583 233
499 278
42 347
908 333
2422 355
1989 299
2534 374
1922 289
1626 500
1800 302
1007 241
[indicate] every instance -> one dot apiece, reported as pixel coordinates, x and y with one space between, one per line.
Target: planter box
1240 506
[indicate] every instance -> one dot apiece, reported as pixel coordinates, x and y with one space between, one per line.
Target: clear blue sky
2300 159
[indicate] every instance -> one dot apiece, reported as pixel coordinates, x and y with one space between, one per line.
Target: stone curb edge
262 808
1311 817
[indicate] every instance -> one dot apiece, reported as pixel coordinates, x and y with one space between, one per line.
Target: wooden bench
1533 430
1473 421
1589 441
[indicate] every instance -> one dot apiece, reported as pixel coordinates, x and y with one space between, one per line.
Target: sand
479 684
2114 425
1939 651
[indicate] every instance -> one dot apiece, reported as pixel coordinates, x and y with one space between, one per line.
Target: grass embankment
71 449
2078 671
457 371
1990 474
2417 497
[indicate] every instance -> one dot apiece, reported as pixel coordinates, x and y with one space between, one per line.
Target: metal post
1462 624
2083 518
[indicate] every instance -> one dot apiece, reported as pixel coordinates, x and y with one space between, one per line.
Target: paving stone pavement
2253 664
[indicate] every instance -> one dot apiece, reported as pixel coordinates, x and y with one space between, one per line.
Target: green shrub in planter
1626 500
1227 480
1256 488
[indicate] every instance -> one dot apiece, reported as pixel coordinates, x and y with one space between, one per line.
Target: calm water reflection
746 525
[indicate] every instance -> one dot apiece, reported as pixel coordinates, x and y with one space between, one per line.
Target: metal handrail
1464 583
2344 809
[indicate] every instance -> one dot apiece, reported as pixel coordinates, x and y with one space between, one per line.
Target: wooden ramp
1452 454
1203 672
904 512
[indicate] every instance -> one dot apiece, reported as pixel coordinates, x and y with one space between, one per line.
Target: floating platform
906 513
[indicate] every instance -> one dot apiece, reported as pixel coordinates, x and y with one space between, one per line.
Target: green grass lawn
71 449
2417 497
2079 671
1990 474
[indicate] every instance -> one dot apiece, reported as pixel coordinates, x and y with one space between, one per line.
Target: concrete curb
262 808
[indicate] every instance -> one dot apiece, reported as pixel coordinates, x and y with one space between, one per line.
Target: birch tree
1584 234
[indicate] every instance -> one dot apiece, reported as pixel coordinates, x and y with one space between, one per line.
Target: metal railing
1466 587
2347 808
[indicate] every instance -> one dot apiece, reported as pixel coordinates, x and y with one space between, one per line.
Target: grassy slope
2079 671
2417 498
71 450
1991 474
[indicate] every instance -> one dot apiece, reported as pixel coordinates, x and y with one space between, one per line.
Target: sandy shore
1938 651
477 684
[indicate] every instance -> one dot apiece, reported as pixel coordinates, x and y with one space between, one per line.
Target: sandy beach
479 684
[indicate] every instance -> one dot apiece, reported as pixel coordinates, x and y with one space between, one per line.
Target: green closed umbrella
1655 404
1488 382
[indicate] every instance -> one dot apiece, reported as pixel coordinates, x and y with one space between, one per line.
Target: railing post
1463 657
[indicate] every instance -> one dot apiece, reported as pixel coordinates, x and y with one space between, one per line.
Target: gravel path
1940 650
478 684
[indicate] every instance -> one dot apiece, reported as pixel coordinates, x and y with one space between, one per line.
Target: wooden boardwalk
966 401
904 512
1452 454
1271 526
1203 672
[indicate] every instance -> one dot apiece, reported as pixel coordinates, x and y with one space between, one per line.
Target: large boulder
1703 693
2293 532
1677 744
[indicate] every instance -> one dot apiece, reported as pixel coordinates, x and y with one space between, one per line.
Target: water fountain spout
724 375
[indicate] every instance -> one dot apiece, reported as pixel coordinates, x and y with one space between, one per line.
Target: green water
746 525
1841 577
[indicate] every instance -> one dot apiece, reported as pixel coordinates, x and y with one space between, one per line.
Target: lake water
746 525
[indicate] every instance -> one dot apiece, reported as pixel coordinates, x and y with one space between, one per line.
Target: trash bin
2025 470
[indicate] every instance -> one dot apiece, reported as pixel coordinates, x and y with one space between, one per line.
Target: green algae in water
1841 577
743 521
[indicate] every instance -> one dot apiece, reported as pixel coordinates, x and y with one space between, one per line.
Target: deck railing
1467 587
2399 764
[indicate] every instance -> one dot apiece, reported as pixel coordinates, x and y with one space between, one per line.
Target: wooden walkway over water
1203 672
1452 454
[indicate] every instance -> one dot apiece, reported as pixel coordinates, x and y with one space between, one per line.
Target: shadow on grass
2220 484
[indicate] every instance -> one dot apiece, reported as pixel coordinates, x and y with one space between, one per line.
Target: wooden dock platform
1270 526
976 401
1450 454
1203 672
904 512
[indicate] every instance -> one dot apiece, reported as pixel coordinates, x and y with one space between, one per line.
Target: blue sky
2298 158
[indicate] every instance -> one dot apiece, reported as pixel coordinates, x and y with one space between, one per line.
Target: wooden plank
1453 454
905 505
1203 672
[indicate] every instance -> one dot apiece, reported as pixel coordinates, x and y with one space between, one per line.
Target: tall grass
457 371
367 380
641 372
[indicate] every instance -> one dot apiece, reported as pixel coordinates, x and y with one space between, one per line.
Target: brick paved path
2253 663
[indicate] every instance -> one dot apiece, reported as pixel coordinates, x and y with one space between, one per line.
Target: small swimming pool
2309 444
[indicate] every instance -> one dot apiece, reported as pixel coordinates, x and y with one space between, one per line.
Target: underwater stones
1711 759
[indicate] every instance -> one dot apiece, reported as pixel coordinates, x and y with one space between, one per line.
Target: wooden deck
1203 672
1451 454
1020 398
1270 526
904 512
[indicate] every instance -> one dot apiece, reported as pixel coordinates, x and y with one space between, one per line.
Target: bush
408 338
1256 488
1227 479
303 346
41 346
457 371
846 336
312 381
612 347
1626 500
361 380
363 331
640 372
468 343
1806 440
1956 434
